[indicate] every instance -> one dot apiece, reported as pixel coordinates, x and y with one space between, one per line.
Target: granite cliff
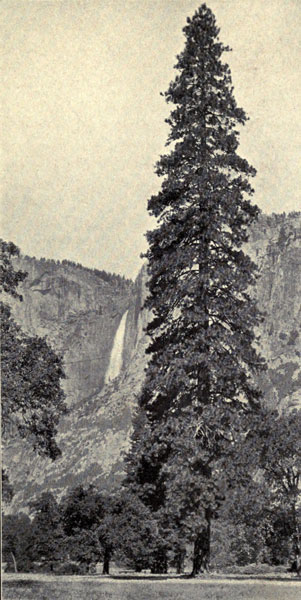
79 312
275 245
83 316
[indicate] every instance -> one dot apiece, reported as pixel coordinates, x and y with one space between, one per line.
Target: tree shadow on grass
147 577
254 577
214 578
21 583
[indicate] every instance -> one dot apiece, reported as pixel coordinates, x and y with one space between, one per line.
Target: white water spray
115 364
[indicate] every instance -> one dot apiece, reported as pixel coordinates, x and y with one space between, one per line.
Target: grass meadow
38 587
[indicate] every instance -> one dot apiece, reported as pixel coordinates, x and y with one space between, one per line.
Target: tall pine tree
202 357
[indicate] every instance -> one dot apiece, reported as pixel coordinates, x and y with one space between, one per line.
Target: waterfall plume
115 363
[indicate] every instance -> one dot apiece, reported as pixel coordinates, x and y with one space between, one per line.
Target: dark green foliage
144 478
17 542
100 527
32 397
198 274
262 506
280 460
82 508
280 453
84 548
88 512
49 540
200 377
139 537
7 489
9 278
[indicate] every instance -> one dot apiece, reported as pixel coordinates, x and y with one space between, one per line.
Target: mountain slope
81 315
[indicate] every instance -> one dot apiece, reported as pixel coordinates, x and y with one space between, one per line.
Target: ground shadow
16 583
148 577
213 578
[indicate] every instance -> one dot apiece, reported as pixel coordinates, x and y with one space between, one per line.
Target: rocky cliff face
80 316
79 312
275 245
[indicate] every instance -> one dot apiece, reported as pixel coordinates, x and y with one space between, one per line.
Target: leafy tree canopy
49 540
9 278
32 398
89 510
17 541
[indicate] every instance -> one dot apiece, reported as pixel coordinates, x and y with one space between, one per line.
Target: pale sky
84 120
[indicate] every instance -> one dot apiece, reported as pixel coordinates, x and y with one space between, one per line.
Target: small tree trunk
297 547
196 561
15 562
180 556
201 554
159 564
106 562
296 562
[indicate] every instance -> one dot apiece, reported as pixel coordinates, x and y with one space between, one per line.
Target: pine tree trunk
15 562
106 562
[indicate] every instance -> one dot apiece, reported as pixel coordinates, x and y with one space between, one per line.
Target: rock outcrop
80 314
275 245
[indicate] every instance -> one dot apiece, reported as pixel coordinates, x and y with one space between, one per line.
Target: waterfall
115 364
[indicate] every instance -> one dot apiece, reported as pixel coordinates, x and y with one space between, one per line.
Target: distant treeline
111 278
278 219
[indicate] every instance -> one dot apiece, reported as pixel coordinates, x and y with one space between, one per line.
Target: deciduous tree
32 398
49 540
87 509
17 541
